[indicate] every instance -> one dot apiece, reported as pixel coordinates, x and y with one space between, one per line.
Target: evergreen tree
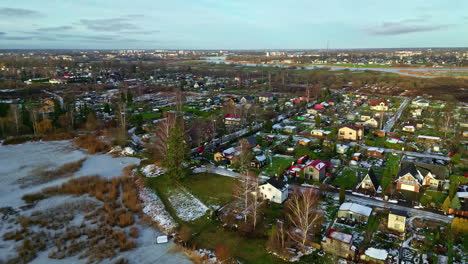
176 153
129 97
107 108
318 120
446 204
268 126
25 118
456 205
342 194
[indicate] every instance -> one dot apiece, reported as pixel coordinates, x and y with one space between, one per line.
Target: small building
378 105
372 122
289 129
409 128
354 212
258 161
339 243
370 183
350 132
275 190
397 220
265 97
341 149
375 152
232 119
320 133
420 102
315 170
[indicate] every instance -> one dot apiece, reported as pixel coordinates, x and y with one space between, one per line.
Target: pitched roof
356 208
374 178
411 169
439 172
341 236
252 140
277 182
351 126
399 212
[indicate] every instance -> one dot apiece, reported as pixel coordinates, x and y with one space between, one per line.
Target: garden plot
187 206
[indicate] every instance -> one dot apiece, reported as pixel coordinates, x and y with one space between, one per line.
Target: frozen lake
24 160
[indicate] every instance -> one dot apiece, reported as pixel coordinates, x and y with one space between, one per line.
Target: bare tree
243 191
163 131
244 157
304 216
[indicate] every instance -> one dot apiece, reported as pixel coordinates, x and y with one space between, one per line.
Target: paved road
391 122
409 153
383 204
56 95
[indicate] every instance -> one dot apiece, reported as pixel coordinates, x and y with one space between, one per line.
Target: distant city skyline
240 24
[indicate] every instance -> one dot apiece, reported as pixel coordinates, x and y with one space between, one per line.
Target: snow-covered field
24 160
187 206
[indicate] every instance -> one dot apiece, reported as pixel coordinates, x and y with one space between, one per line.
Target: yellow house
397 220
350 132
218 157
49 102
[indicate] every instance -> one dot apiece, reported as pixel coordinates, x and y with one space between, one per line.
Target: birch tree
304 216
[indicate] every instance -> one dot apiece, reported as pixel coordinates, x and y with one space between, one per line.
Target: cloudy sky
232 24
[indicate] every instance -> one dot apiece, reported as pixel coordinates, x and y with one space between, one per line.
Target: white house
275 190
353 211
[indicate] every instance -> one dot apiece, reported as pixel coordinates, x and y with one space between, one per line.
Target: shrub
134 232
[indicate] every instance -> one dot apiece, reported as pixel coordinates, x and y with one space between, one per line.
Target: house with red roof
339 243
232 119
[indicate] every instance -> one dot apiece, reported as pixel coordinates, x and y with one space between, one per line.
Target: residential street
409 153
391 122
383 204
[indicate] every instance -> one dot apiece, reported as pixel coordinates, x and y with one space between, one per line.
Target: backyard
347 178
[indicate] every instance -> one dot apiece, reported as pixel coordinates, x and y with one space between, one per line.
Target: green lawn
211 189
208 233
277 163
147 116
347 177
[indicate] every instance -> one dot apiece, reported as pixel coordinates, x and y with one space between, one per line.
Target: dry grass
92 143
191 254
64 171
105 239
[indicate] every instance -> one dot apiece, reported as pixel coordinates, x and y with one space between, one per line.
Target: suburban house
275 190
247 99
289 129
232 119
312 111
409 178
372 122
342 149
420 102
354 212
375 152
370 183
378 105
339 243
350 132
265 97
320 133
397 220
409 128
413 175
258 161
227 155
315 170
